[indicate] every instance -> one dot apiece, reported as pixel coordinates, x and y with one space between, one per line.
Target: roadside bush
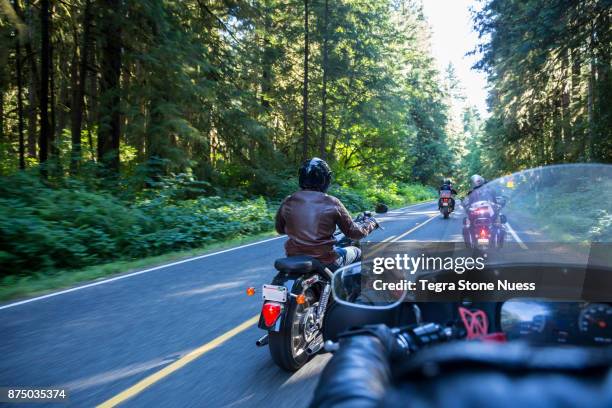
69 223
43 228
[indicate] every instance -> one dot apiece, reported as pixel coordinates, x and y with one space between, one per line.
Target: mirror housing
348 290
381 208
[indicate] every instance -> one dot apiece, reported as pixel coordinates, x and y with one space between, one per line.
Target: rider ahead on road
479 192
309 218
447 185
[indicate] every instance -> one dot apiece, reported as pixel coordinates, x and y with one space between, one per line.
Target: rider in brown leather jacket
309 218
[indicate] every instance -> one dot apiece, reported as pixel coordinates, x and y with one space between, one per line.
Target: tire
446 214
282 343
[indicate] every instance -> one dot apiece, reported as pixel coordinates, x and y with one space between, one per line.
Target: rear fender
294 287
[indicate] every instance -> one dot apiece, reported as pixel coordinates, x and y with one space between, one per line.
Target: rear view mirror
350 288
381 208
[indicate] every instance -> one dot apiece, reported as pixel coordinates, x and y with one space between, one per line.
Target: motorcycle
481 347
446 203
295 303
483 227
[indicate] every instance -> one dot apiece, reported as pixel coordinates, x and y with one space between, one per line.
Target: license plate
483 241
274 293
445 204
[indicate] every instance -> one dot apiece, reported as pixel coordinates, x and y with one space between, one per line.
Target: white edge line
515 236
388 238
129 275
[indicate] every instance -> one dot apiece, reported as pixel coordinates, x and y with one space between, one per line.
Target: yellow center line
177 365
195 354
414 229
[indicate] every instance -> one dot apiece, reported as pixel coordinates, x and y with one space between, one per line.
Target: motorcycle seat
298 264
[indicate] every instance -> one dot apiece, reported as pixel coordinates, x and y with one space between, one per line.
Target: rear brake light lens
270 312
483 233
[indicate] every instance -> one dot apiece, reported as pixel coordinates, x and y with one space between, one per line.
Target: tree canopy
217 89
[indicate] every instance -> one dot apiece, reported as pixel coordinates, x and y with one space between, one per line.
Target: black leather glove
358 375
393 344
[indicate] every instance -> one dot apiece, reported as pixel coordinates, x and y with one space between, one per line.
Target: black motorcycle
547 346
446 203
440 353
483 226
295 303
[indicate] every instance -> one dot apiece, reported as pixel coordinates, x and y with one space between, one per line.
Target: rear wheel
446 213
288 346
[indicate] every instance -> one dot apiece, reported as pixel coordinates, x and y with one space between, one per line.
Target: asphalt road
100 340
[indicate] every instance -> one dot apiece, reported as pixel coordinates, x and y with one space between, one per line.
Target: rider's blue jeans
346 256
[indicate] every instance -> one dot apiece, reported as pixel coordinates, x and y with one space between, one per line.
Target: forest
136 128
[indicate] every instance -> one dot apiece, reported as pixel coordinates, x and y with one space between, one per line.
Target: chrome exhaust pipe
262 341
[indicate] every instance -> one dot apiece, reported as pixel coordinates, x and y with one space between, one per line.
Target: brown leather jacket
309 218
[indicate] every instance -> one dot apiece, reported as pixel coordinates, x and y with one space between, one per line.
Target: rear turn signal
300 299
270 312
250 291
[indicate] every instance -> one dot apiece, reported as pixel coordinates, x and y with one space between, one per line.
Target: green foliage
567 212
68 226
71 225
550 75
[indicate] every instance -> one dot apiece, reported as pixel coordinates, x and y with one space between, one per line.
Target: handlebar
366 216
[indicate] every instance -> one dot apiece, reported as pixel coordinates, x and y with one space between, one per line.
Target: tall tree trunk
305 90
20 102
109 130
590 101
90 106
53 147
575 103
78 91
32 117
266 63
64 100
1 115
323 139
44 85
33 83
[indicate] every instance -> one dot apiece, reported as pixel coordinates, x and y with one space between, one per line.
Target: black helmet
447 182
315 174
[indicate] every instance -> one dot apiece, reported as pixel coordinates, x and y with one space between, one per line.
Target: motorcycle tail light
270 312
483 233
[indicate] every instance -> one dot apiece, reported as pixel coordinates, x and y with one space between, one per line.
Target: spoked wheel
298 329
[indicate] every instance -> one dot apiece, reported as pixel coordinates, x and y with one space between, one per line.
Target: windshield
543 221
562 203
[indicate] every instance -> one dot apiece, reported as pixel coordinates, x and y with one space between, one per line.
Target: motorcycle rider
309 218
478 192
447 185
